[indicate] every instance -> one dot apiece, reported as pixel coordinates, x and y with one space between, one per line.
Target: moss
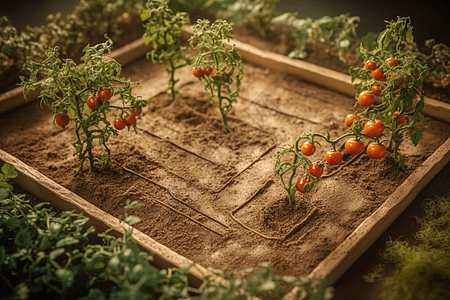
421 271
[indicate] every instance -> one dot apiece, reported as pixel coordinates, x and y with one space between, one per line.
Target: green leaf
23 239
67 241
131 220
4 191
9 171
66 277
55 253
3 178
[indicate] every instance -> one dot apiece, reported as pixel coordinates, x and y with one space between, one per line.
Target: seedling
163 32
81 94
217 64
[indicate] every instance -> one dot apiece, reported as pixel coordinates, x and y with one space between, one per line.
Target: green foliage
163 31
15 49
438 62
225 60
66 88
255 15
337 34
421 271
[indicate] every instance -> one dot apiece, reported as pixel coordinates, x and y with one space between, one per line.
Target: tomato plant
163 32
84 92
381 126
208 39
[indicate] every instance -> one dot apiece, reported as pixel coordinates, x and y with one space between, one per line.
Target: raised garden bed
213 197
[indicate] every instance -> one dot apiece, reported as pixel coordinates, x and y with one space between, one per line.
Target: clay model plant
217 64
388 75
81 94
163 32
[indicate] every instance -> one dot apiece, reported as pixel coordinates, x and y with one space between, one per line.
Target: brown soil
191 195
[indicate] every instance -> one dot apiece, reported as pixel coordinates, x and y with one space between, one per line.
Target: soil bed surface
193 178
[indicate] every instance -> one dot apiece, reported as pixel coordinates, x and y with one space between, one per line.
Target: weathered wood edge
62 199
124 55
338 261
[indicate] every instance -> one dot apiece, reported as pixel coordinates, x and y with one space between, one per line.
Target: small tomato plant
222 62
82 93
163 31
382 126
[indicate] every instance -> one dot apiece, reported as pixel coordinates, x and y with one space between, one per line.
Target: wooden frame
337 262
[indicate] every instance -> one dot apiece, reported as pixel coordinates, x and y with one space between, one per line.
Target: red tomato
376 151
301 183
333 157
315 170
412 130
94 102
376 89
400 119
104 94
208 71
308 148
378 74
353 147
129 119
370 65
120 124
350 118
374 128
366 99
400 82
391 61
136 112
62 119
197 72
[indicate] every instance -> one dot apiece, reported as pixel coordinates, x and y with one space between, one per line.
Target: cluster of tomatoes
208 71
355 146
366 98
94 102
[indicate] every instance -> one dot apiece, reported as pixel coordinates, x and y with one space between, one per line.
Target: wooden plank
338 261
63 199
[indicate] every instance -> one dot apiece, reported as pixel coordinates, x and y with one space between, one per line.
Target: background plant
255 15
224 74
392 76
163 31
88 23
420 270
82 93
15 49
